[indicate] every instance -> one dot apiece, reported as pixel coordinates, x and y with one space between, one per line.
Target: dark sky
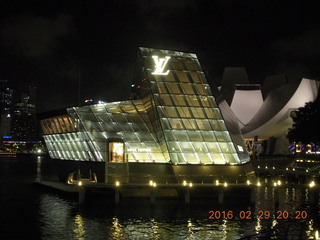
45 43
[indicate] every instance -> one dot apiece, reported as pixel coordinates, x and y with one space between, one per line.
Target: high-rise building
23 123
6 94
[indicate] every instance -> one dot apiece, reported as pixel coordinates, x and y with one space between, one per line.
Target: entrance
116 150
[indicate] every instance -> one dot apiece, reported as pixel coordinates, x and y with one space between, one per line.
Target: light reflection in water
224 229
189 225
116 230
39 161
186 226
79 230
155 229
258 226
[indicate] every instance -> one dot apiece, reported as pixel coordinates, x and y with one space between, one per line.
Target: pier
186 192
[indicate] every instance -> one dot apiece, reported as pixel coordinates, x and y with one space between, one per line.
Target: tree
306 126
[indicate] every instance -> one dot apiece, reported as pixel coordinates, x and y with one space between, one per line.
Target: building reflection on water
61 218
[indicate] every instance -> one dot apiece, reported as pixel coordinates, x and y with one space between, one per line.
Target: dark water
30 212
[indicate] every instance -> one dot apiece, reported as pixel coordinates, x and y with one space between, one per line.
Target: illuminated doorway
116 152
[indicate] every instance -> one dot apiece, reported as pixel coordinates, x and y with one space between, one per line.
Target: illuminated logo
160 65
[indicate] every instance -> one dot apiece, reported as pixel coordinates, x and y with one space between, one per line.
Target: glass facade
175 119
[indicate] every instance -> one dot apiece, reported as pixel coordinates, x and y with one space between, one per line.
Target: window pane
198 113
173 88
176 123
195 136
191 158
176 64
171 112
225 147
203 124
165 100
170 77
201 90
211 113
204 158
222 136
218 158
173 147
181 136
218 125
192 65
230 158
206 102
161 87
184 112
213 147
165 123
186 147
179 100
189 124
182 76
195 77
208 136
169 135
192 101
200 147
187 88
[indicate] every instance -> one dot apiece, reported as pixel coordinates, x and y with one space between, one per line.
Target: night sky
45 43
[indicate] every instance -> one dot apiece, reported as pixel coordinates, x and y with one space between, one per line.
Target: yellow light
225 184
184 183
154 184
258 184
279 182
248 182
80 183
117 183
312 184
316 235
217 182
151 183
275 184
190 184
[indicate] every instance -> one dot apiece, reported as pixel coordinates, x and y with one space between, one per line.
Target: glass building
172 119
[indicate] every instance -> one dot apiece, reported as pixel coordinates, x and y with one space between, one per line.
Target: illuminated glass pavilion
172 118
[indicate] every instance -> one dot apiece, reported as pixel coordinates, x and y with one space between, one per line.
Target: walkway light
154 184
279 182
258 184
79 183
151 183
184 183
248 182
190 184
117 183
274 184
217 182
225 184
